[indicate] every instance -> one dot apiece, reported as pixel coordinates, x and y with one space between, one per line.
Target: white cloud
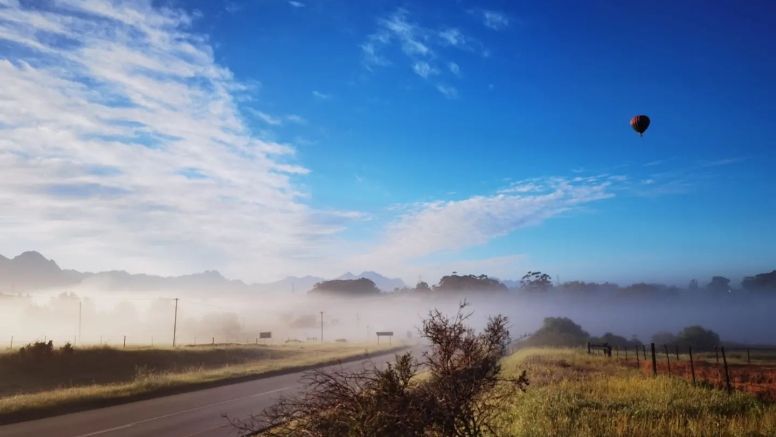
268 118
296 119
424 69
454 68
123 147
277 121
321 95
454 37
444 226
448 91
296 4
233 8
424 46
495 20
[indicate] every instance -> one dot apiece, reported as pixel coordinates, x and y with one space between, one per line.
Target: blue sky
267 138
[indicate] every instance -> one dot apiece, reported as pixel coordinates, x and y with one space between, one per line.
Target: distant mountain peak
31 255
382 282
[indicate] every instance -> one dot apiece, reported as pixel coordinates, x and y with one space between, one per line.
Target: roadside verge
67 406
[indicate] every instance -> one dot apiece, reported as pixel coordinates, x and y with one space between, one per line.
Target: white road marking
104 431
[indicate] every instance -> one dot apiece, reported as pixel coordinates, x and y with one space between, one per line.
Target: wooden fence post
588 347
748 357
626 354
638 365
716 353
214 341
125 341
727 374
692 365
654 360
11 342
643 349
668 359
677 352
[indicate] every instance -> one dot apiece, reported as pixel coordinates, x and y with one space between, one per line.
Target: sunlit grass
573 394
148 382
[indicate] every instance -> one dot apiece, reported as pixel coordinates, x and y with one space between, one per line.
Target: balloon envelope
640 123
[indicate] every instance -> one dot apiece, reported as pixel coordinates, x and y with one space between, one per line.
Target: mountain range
32 271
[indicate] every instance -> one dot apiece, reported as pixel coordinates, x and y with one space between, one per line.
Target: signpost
388 334
265 335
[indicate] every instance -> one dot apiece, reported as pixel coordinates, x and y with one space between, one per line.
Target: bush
38 350
559 332
67 349
462 395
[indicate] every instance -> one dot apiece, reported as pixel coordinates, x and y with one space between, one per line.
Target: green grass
153 371
573 394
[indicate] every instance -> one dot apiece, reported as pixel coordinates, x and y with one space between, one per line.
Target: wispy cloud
455 38
720 162
123 146
232 7
423 46
454 68
424 70
296 4
277 121
448 91
296 119
268 118
321 95
432 227
495 20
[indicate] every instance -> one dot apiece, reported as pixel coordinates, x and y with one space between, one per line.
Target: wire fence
749 369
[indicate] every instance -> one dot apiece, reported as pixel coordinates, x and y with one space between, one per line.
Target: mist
148 317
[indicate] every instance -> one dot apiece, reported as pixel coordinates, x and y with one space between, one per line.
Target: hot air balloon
640 123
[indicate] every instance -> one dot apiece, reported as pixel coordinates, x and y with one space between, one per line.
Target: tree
761 282
615 340
462 396
536 281
698 337
466 283
559 332
346 287
663 338
642 289
422 287
719 284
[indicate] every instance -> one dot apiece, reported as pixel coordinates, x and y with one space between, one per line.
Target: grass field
574 394
101 374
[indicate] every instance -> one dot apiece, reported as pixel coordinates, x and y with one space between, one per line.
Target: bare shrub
460 397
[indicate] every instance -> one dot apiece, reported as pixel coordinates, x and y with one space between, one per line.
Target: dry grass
760 380
131 372
573 394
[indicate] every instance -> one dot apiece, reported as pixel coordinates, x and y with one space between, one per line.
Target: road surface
194 414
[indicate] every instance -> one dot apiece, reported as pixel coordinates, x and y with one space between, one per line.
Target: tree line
535 282
563 332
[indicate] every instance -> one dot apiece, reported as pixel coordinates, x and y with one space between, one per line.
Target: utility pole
321 326
175 323
79 321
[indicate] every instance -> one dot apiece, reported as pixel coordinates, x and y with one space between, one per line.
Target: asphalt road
194 414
